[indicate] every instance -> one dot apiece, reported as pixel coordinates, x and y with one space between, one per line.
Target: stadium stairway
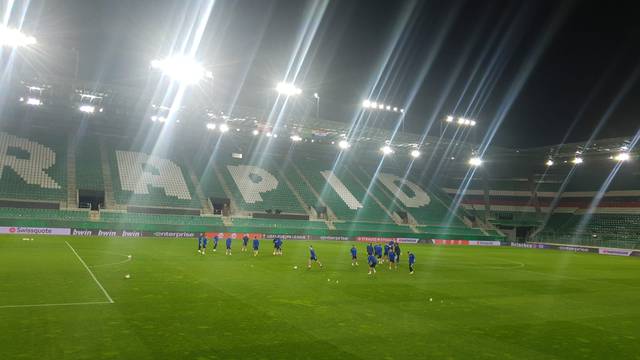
295 193
392 214
72 191
225 187
207 208
378 192
312 191
109 196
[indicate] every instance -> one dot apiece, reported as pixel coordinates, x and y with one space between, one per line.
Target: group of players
376 254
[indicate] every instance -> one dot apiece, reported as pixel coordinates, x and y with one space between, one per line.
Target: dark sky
526 68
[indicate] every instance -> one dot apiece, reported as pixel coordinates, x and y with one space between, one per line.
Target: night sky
535 68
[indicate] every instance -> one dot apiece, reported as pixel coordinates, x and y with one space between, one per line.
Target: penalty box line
91 273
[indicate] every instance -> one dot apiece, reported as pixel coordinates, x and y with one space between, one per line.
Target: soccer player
369 249
372 263
279 247
392 260
245 242
228 251
396 249
276 245
386 252
412 262
201 245
215 243
256 245
354 256
378 250
313 257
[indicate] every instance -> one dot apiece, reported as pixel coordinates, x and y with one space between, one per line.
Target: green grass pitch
462 303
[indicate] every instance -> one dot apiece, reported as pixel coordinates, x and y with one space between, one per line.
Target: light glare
15 38
89 109
288 89
386 150
182 68
343 144
34 102
622 157
475 161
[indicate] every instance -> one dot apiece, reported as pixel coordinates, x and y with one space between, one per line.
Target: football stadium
153 206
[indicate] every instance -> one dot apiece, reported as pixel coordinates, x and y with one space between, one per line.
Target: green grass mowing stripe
90 273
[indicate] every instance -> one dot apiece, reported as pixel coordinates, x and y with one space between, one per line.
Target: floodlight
275 136
224 128
467 122
288 89
211 126
388 107
577 160
461 121
380 106
316 96
386 150
182 68
343 144
402 111
33 101
622 157
395 109
475 161
89 109
549 162
269 134
449 119
366 104
473 123
295 138
415 153
15 38
255 132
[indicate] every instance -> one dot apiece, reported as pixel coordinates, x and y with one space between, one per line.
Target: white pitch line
62 304
90 273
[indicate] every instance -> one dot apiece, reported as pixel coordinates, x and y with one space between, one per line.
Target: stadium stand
258 187
33 167
141 179
341 192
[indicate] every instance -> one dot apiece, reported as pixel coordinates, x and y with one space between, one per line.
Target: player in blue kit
228 251
369 249
277 246
215 243
392 260
256 245
372 263
245 242
385 256
412 262
313 257
202 244
378 251
354 256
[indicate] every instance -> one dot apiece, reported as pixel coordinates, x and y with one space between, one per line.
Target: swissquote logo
12 230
